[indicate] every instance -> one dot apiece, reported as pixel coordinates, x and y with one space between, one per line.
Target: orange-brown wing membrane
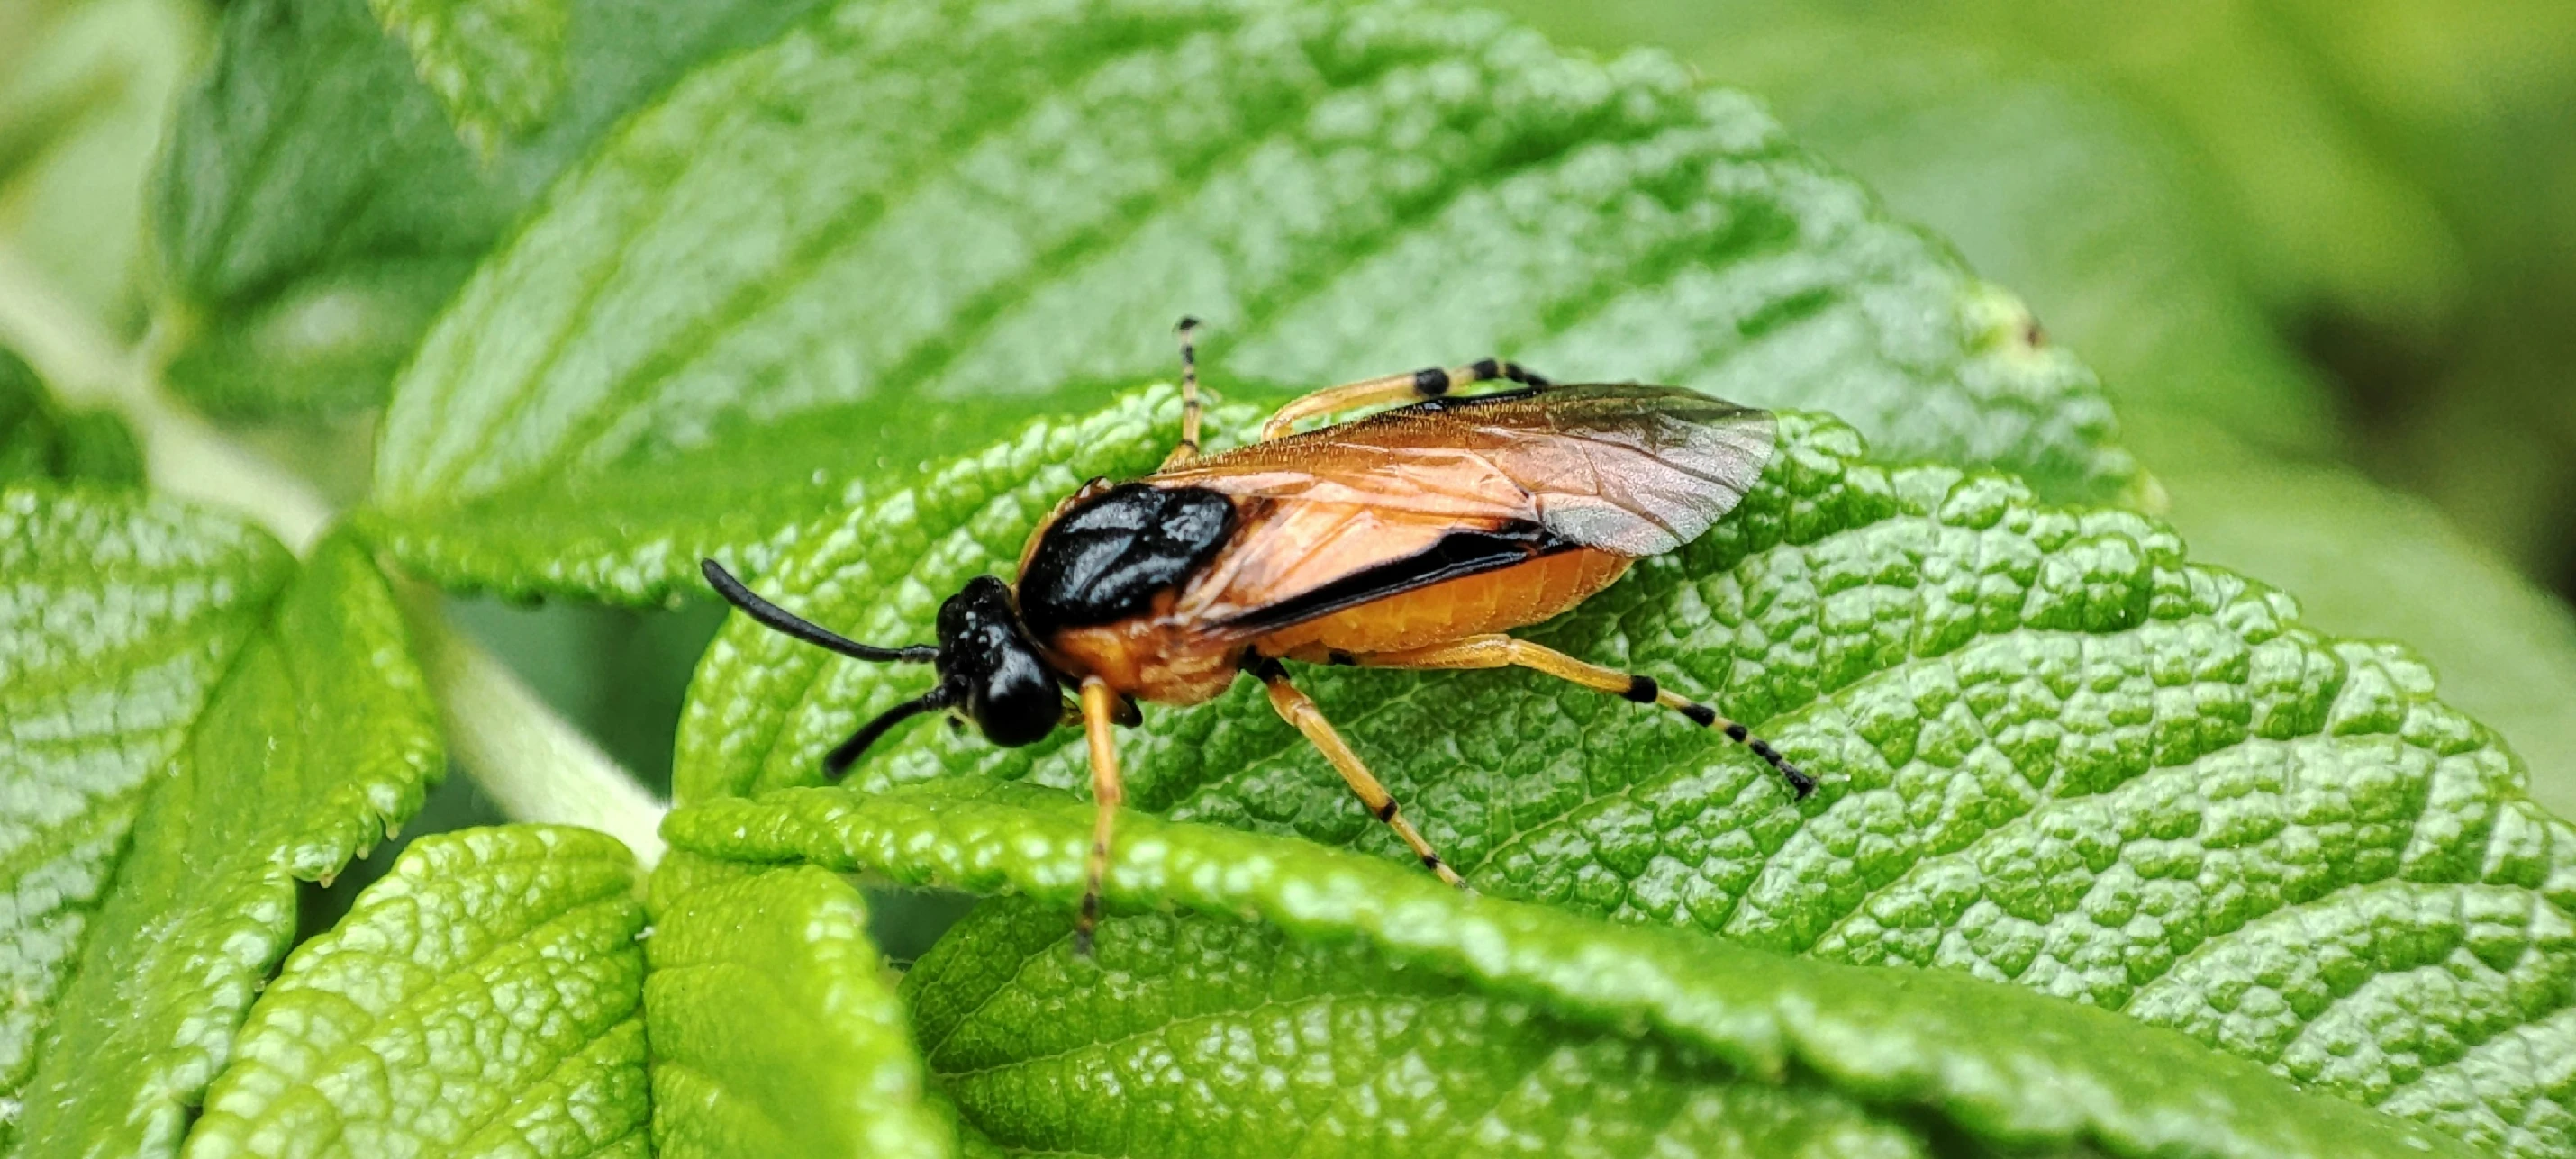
1410 497
1298 560
1635 470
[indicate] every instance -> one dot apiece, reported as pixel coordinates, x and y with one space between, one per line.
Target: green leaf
2377 564
1992 1062
315 206
497 66
39 441
118 617
882 237
1992 156
1225 1038
2074 761
481 999
319 740
2311 202
1988 153
86 91
774 1029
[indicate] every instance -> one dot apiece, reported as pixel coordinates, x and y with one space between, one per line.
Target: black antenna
847 752
786 623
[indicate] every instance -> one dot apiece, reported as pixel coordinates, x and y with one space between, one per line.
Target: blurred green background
2323 252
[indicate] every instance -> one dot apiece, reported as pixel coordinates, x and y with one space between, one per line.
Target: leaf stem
536 764
185 455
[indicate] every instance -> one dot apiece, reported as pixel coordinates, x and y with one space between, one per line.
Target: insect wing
1634 470
1300 559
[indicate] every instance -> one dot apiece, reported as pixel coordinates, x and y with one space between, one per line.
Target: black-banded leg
1100 712
1300 711
1189 445
1430 382
1498 651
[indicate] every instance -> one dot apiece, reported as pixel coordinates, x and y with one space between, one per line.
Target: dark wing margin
1457 554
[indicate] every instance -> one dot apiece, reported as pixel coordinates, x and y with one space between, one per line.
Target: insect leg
1298 710
1189 445
1100 711
1430 382
1499 651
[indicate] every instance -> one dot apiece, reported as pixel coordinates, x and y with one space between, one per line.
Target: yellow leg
1502 651
1295 708
1394 388
1189 446
1100 711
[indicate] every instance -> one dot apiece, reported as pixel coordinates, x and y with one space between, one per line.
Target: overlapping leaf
2275 99
315 206
892 233
497 66
774 1031
118 618
1225 1038
318 739
86 91
2070 758
481 999
1996 152
1988 1062
39 440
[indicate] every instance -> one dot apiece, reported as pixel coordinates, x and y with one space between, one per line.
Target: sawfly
1415 537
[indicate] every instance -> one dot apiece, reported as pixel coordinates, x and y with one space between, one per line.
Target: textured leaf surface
40 441
496 66
775 1031
1224 1038
1990 155
483 998
318 742
315 206
891 231
2371 562
2071 760
1993 1061
118 617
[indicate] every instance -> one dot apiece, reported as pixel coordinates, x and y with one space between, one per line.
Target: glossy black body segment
1107 558
990 668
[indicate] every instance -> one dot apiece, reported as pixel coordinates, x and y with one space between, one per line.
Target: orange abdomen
1496 601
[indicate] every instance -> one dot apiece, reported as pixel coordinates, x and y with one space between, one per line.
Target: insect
1416 537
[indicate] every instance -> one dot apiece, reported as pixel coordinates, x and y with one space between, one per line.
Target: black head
988 667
